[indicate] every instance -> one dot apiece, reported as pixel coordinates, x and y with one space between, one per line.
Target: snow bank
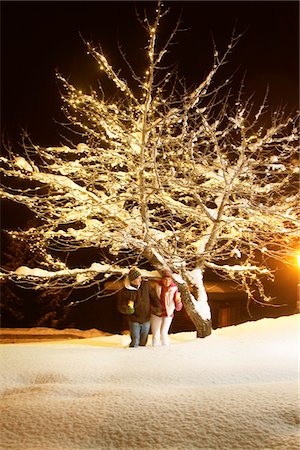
236 389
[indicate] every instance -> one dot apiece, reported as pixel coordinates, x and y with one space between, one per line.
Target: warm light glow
298 259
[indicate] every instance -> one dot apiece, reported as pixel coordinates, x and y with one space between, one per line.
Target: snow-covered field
236 389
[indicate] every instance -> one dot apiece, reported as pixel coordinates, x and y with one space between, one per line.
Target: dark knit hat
166 273
133 273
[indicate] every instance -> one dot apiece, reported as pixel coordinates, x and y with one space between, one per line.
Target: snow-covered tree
192 179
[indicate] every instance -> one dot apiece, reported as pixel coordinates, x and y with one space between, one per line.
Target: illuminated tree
181 177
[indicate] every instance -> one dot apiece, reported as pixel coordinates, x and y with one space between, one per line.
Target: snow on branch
44 279
237 268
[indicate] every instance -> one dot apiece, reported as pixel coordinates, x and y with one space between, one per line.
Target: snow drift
236 389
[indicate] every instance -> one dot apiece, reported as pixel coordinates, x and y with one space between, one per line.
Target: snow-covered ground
236 389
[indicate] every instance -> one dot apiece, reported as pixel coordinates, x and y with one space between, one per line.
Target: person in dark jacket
138 300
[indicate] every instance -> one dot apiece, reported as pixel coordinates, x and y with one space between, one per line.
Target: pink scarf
167 296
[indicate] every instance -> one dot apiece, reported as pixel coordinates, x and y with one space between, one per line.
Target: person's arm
177 301
126 302
155 302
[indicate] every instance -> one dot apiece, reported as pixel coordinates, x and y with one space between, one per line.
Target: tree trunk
203 327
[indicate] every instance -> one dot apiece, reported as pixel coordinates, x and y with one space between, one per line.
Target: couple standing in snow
147 306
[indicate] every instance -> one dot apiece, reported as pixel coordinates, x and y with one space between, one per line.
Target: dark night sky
39 37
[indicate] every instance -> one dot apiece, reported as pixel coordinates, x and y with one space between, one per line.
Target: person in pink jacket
170 301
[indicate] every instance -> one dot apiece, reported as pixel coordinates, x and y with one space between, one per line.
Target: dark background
39 37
